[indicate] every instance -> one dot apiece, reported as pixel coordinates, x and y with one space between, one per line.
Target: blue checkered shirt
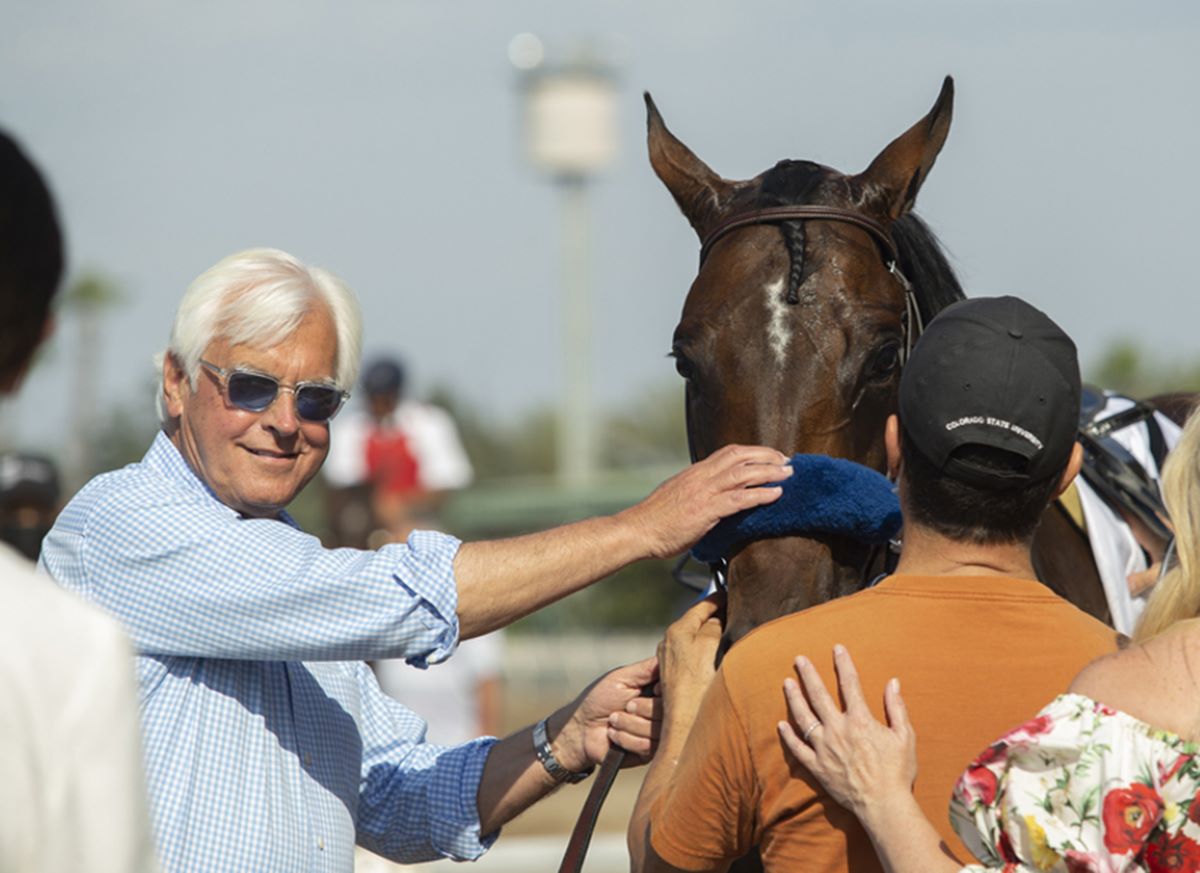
268 744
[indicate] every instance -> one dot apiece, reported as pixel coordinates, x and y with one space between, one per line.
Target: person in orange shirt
985 438
1104 777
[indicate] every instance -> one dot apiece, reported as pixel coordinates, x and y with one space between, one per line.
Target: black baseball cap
997 372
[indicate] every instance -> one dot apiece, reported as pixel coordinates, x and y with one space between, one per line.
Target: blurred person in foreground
269 745
1105 778
407 454
71 790
985 438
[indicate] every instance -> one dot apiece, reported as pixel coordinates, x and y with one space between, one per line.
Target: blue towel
823 495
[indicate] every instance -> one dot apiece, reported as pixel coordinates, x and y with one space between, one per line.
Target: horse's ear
897 173
700 193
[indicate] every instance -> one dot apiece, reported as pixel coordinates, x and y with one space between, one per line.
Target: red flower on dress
1179 854
1032 728
980 783
1039 725
1165 775
992 753
1005 849
1129 814
1084 862
1194 809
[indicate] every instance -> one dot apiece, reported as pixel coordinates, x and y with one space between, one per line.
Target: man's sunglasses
254 392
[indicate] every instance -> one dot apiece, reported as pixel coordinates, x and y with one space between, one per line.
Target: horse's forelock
789 183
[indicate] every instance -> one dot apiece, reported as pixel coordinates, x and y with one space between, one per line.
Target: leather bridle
911 323
779 214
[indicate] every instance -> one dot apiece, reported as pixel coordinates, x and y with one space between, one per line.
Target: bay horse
812 285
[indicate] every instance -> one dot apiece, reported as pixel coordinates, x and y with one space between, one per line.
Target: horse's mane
924 263
921 257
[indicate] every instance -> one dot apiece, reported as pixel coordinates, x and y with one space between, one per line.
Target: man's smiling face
255 462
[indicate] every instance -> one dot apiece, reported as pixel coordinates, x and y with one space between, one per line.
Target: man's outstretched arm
500 581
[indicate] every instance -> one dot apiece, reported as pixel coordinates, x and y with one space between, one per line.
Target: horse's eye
887 361
683 366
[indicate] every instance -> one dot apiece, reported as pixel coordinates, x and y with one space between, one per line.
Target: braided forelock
791 183
793 238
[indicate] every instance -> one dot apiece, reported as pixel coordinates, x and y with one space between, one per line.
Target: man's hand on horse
685 507
612 712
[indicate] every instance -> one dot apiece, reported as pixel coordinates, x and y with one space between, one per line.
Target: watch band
559 773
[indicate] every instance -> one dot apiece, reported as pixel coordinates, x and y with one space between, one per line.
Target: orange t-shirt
976 655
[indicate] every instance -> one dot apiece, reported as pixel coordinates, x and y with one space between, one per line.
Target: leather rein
911 325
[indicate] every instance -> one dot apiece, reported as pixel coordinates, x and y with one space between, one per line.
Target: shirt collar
164 457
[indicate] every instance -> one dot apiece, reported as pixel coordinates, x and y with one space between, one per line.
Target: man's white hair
258 297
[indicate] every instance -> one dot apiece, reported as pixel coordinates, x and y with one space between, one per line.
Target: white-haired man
268 743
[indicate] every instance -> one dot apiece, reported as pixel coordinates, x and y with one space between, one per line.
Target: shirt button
307 759
321 844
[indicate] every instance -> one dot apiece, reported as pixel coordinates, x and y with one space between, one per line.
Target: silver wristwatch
559 773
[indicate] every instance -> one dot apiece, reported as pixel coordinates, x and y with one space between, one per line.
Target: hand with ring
862 763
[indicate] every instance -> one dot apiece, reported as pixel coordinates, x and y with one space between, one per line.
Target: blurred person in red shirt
393 464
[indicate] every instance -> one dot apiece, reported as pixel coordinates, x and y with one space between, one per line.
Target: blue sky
381 140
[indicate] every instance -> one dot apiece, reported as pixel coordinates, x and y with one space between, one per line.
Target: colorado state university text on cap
992 371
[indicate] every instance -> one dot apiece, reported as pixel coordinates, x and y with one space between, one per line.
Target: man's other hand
612 711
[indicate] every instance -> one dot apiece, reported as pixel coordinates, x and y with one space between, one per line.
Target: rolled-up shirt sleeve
417 801
188 576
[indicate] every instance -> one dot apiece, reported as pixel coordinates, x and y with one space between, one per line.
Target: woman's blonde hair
1177 596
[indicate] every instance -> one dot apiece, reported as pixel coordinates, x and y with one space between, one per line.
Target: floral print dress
1082 788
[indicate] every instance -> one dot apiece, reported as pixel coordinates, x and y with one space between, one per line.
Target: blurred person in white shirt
72 794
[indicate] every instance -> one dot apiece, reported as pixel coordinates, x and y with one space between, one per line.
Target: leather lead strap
581 836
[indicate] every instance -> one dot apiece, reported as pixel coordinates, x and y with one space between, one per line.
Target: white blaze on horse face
779 334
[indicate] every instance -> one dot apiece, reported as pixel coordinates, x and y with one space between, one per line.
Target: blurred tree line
645 434
1128 369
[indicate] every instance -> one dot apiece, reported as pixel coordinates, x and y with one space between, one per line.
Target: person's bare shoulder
1157 681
